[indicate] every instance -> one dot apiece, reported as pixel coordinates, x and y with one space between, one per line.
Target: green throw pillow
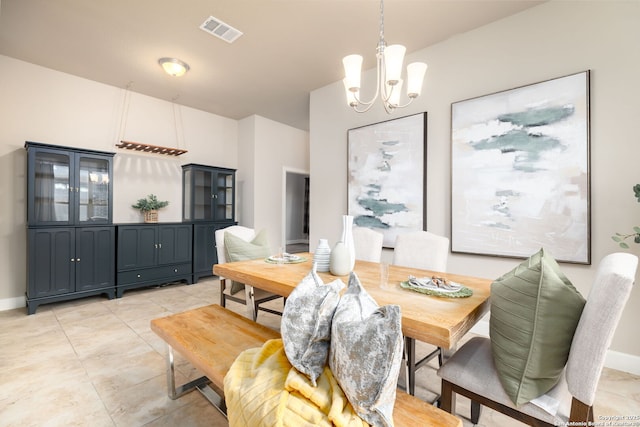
534 313
240 250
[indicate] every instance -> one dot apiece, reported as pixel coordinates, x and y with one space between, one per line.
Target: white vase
347 239
340 260
321 256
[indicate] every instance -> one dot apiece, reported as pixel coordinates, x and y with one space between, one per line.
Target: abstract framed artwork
387 176
520 175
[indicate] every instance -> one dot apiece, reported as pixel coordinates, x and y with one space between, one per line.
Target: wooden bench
211 338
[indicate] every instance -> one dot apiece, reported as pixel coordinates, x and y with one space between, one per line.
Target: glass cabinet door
92 190
68 187
52 188
224 196
202 194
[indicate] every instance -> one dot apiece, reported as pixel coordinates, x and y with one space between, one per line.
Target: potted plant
149 207
619 237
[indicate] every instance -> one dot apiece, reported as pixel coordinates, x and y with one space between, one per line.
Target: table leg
410 364
250 300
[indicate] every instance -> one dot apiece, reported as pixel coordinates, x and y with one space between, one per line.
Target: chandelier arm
380 63
407 104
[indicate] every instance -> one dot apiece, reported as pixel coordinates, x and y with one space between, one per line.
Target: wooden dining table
439 321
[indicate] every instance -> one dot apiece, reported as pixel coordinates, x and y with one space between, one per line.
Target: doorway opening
296 220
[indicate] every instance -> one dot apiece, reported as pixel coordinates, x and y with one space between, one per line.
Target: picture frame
520 177
387 176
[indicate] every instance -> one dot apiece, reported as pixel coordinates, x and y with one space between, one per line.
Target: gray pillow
534 313
306 324
240 250
366 353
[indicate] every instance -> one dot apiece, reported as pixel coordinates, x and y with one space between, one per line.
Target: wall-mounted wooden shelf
148 148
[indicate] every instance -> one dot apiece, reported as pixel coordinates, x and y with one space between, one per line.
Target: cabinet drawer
176 270
165 272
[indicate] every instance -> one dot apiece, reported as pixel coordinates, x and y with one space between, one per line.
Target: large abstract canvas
386 181
520 171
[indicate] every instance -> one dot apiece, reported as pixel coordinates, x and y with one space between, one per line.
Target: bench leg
176 392
201 384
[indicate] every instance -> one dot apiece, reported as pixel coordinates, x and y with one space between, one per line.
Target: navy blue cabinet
153 254
208 201
71 242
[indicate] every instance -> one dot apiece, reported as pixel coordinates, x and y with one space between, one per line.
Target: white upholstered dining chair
367 244
421 249
471 371
256 296
426 251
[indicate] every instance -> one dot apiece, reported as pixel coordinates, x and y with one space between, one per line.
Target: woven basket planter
151 216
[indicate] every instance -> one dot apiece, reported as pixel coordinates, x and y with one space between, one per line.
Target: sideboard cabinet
151 254
70 237
208 201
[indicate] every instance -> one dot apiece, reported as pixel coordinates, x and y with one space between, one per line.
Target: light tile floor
95 362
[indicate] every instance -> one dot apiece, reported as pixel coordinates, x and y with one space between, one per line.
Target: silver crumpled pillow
366 353
306 324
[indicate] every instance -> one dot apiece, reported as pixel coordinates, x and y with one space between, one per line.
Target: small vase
321 256
340 260
347 239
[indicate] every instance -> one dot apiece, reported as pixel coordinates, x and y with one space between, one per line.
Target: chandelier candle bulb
393 93
415 77
393 58
352 66
352 96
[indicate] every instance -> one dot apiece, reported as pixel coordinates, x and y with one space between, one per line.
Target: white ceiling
289 47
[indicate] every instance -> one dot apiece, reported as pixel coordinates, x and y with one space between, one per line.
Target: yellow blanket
262 389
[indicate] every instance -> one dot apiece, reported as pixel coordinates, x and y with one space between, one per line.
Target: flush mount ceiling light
174 67
389 70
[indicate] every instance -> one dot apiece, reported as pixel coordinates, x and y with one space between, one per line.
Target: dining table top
441 321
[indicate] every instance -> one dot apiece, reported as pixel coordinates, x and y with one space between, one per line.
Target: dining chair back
367 244
471 372
426 251
421 249
256 296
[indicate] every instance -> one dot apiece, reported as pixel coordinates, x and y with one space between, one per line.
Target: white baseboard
614 360
11 303
297 241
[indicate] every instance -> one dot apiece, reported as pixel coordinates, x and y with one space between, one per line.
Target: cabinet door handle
72 260
78 259
160 245
156 246
175 270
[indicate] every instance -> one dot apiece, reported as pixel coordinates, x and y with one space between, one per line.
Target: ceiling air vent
221 30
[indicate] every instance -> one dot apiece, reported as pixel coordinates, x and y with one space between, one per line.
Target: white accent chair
472 373
426 251
256 296
367 244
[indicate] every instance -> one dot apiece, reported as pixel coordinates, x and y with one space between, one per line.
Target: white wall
275 149
39 104
552 40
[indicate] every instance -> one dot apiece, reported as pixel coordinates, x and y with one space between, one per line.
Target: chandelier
389 71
